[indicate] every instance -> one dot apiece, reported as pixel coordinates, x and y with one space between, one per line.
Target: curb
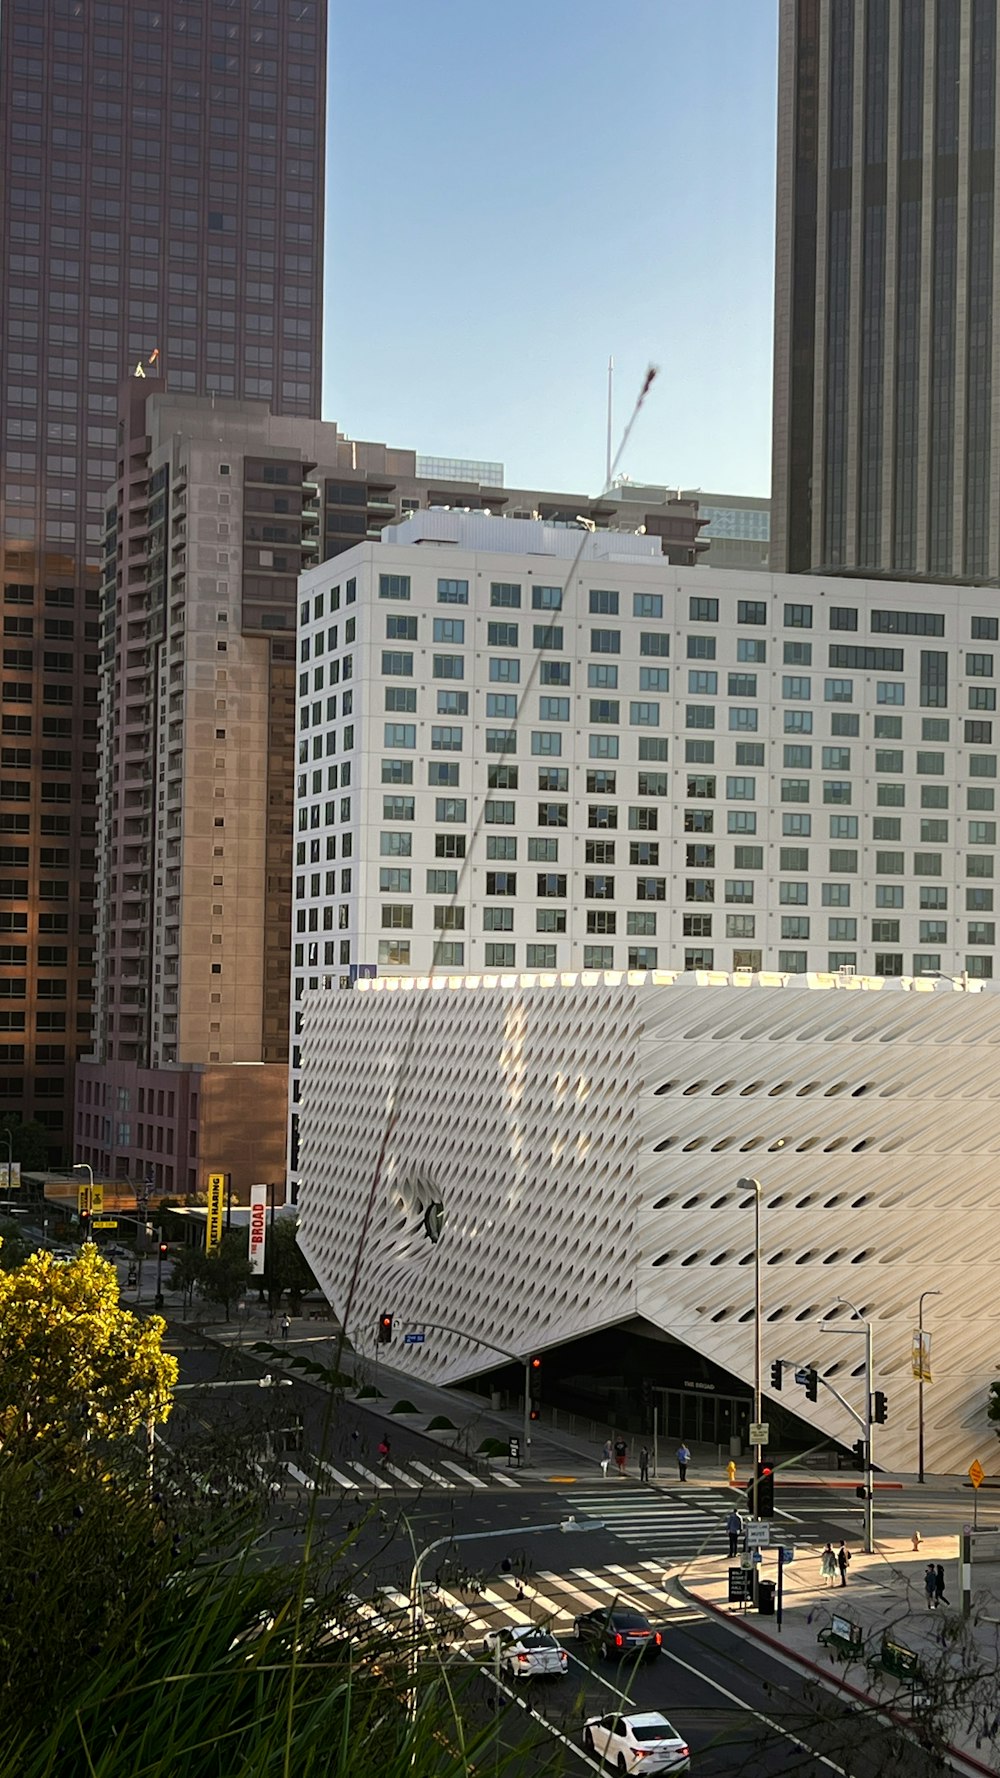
744 1625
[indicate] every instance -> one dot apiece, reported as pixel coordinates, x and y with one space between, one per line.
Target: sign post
213 1225
977 1475
258 1229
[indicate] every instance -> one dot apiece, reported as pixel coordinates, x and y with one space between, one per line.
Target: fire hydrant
916 1540
732 1473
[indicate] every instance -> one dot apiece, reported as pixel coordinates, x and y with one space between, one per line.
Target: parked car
644 1742
527 1653
618 1630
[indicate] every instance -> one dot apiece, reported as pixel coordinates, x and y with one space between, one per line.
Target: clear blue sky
516 191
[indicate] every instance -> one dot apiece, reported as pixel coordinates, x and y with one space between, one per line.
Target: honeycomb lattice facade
575 1143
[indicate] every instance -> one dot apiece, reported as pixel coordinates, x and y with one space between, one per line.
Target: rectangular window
751 611
739 889
605 641
546 742
843 827
393 586
844 722
554 673
452 666
445 740
647 605
453 592
703 611
547 636
982 697
644 714
498 919
450 630
505 594
399 664
927 864
553 709
701 648
751 649
798 617
604 710
501 882
865 660
653 642
887 827
502 635
546 598
654 679
702 683
450 808
907 623
742 685
838 691
397 629
795 926
400 734
540 956
501 706
603 603
792 962
798 722
598 956
793 686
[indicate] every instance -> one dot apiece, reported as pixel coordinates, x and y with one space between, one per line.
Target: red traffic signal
384 1329
163 1248
535 1414
535 1364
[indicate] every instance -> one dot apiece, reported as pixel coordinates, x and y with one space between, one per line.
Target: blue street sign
413 1339
787 1554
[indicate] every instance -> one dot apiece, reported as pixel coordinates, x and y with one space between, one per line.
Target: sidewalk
958 1658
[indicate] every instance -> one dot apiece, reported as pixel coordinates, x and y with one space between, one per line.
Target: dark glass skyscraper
886 455
161 192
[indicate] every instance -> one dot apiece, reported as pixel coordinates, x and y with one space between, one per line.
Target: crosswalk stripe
507 1480
299 1475
343 1481
589 1601
401 1476
466 1475
370 1476
435 1476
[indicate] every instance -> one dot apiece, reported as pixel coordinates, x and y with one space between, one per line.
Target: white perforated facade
585 1136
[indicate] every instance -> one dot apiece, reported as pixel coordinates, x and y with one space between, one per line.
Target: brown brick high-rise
161 189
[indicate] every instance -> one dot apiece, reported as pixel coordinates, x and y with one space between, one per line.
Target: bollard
916 1540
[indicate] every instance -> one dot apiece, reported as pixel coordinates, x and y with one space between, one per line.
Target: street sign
413 1339
977 1474
739 1586
787 1553
760 1432
757 1533
96 1199
105 1222
513 1450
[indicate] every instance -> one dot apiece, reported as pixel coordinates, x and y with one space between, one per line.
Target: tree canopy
73 1362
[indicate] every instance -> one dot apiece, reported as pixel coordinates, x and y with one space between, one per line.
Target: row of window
606 602
450 953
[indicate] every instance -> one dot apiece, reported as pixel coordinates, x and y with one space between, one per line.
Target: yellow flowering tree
73 1363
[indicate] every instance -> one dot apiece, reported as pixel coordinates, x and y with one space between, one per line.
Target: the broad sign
258 1229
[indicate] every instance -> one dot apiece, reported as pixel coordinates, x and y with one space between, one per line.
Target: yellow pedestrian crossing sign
977 1474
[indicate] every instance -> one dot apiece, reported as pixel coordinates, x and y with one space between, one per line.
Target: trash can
765 1597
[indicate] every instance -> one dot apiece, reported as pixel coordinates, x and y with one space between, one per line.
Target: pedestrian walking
939 1598
828 1566
734 1525
930 1586
606 1456
683 1459
383 1451
285 1326
843 1562
644 1464
621 1450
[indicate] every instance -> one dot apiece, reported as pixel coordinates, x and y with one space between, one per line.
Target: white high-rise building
510 759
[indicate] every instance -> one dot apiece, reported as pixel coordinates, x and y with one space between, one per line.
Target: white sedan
526 1653
642 1743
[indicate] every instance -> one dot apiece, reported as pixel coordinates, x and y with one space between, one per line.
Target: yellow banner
97 1199
213 1227
920 1356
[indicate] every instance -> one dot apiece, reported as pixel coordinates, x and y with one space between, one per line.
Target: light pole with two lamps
865 1420
921 1360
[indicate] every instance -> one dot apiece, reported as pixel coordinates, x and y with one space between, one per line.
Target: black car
617 1631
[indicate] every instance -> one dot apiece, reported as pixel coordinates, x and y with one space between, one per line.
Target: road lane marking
508 1481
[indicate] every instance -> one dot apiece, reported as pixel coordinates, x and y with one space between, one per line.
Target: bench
900 1662
843 1637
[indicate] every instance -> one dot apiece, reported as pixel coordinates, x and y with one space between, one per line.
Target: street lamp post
920 1383
569 1524
754 1186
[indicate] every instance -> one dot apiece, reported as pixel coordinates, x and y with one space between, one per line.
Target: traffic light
764 1491
163 1249
880 1408
535 1412
812 1384
384 1329
859 1451
776 1374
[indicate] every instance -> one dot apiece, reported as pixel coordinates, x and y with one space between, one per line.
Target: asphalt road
742 1710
